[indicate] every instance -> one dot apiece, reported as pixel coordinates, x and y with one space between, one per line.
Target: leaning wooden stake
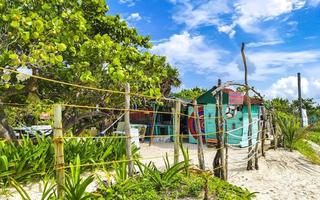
59 152
249 165
219 159
200 135
127 130
177 131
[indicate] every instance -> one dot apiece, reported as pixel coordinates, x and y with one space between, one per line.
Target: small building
237 126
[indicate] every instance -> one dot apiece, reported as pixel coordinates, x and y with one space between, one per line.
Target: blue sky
202 38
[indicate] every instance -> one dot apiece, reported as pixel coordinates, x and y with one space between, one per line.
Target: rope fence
221 149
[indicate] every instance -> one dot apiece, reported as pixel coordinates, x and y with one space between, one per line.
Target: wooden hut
237 125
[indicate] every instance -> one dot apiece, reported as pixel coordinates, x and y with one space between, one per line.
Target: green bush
30 160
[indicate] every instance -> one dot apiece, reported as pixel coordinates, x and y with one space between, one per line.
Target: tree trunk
6 131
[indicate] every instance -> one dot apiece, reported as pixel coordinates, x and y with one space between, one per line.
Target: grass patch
306 150
314 137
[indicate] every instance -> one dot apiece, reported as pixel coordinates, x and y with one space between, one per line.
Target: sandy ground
281 174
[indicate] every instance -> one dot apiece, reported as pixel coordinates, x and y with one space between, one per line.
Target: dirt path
282 174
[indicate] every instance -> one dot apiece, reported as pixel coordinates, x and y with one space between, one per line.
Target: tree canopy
190 94
76 42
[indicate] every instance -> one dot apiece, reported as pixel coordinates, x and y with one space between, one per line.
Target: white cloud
134 17
191 53
287 87
129 3
314 2
251 12
264 43
196 13
226 15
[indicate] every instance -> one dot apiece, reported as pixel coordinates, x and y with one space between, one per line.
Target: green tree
76 42
191 94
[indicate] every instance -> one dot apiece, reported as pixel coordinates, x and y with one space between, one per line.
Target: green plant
290 128
48 190
75 187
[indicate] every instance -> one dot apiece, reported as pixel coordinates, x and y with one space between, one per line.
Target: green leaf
15 24
6 77
61 47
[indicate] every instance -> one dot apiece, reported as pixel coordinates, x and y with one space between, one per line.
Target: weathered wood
127 130
177 131
154 117
263 132
218 161
59 151
200 135
259 138
249 165
226 149
300 100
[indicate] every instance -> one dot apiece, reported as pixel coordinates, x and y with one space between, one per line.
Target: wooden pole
226 148
154 118
249 165
177 131
59 152
263 132
259 138
127 130
219 159
300 99
200 135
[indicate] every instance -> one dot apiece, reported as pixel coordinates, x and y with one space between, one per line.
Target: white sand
282 174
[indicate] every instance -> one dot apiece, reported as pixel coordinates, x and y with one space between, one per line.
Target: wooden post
273 130
200 135
226 148
154 118
259 138
249 165
127 130
219 159
300 99
263 132
59 152
177 131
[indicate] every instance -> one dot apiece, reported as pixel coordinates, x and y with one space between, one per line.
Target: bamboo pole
249 165
177 131
59 152
200 135
127 130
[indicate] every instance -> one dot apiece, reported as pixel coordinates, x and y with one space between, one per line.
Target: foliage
191 94
76 42
30 160
75 187
48 190
314 137
305 149
290 128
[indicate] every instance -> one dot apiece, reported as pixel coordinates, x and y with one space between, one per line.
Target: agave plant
290 128
48 190
75 187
